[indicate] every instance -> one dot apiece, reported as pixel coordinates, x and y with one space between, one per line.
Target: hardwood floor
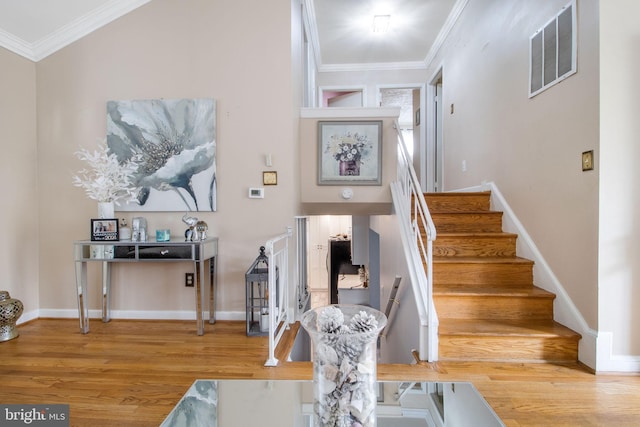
132 373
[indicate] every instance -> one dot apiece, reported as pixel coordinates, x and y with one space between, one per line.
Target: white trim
452 19
430 129
565 311
609 362
373 66
16 45
71 32
28 316
337 113
140 314
309 17
596 347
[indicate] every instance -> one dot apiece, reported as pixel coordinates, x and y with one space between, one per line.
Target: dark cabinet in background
339 262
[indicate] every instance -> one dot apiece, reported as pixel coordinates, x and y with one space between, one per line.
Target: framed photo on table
350 152
104 230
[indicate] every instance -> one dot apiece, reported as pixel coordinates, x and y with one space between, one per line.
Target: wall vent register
553 51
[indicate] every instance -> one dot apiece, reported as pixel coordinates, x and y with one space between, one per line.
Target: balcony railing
277 251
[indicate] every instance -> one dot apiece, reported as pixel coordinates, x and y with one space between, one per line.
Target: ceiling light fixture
381 23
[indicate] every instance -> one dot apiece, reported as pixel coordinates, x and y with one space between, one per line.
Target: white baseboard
28 315
609 362
565 311
140 314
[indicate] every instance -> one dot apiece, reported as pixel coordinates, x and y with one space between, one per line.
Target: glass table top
271 403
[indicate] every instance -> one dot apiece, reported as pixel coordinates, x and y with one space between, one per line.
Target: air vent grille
553 51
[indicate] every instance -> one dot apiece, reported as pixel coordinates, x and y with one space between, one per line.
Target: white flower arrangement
349 147
107 179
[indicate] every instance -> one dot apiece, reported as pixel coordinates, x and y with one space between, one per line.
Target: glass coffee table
281 403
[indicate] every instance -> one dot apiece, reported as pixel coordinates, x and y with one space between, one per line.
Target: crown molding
16 45
452 19
309 16
377 66
71 32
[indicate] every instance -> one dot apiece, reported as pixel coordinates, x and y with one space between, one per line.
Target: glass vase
344 341
106 210
349 168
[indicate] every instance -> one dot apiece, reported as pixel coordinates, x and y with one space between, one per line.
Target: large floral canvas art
174 144
350 152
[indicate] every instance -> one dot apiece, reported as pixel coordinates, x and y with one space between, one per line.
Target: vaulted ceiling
339 30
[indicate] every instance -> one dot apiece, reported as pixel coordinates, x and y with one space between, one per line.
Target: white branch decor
107 179
344 363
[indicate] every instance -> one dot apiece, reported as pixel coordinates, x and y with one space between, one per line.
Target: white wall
531 148
19 173
239 53
619 246
370 81
401 335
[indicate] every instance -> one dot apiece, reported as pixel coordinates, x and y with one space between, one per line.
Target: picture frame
350 152
104 229
269 178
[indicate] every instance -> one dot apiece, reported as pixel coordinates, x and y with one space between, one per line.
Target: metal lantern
257 295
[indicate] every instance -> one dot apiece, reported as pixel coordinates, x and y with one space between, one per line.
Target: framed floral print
350 152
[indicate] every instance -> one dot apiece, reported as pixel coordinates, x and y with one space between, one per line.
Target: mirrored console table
278 403
203 254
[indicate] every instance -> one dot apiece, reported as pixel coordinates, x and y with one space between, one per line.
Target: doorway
344 258
341 97
410 100
435 134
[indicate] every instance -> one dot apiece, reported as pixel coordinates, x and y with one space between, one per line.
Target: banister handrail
408 199
277 251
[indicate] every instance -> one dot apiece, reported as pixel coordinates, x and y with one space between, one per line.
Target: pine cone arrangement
330 320
344 365
363 322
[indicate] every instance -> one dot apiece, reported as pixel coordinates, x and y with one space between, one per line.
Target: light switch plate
587 160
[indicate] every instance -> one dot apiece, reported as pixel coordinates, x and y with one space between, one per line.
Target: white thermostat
256 193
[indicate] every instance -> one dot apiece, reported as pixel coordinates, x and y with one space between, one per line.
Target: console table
203 254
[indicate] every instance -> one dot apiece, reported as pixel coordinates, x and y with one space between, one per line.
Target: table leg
106 292
199 271
213 273
81 287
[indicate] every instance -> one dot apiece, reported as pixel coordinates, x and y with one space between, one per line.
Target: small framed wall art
269 178
104 230
350 152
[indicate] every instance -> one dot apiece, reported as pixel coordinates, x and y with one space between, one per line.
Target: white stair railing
277 251
416 223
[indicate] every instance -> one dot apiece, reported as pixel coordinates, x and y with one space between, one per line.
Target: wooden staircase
487 305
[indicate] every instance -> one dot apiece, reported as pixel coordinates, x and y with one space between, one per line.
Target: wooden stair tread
470 290
502 327
488 306
471 213
481 260
475 234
